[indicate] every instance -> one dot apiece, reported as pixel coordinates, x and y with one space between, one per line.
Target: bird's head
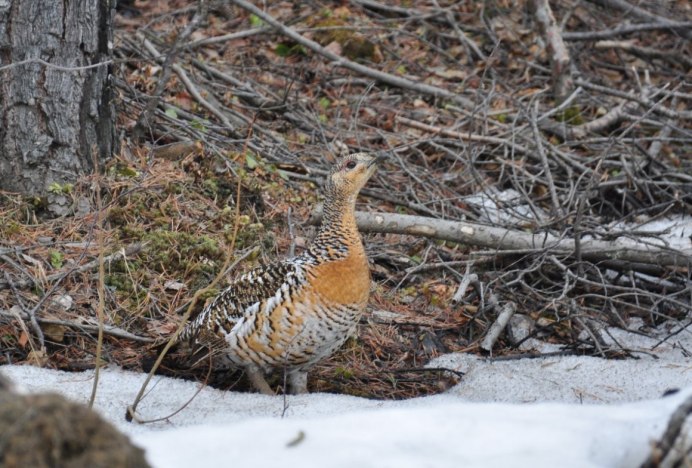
350 173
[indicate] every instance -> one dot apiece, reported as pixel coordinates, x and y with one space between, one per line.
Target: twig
226 37
672 57
340 61
656 146
578 132
143 121
463 38
665 444
632 97
563 105
498 325
587 326
107 329
462 136
55 67
405 12
101 305
291 234
190 86
639 13
32 317
559 55
626 29
468 279
131 249
557 207
44 298
139 420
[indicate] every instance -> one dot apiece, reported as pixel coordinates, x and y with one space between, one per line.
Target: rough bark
56 107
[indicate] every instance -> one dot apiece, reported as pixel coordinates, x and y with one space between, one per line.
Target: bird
290 314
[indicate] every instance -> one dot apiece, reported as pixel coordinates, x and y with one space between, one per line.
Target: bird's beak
377 160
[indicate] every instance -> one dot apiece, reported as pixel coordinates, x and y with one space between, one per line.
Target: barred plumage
291 314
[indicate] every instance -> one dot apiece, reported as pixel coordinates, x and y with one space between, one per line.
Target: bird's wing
252 292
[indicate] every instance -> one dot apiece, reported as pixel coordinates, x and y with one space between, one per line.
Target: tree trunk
57 119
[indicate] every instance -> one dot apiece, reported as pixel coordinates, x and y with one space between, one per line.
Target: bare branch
507 239
639 13
499 325
626 29
143 121
461 135
559 55
663 446
340 61
107 329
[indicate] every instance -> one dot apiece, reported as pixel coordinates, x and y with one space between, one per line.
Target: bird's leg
298 381
258 380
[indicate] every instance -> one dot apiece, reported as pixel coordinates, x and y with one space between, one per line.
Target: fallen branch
672 57
662 447
559 55
644 101
624 30
340 61
503 316
226 37
32 317
579 132
498 238
639 13
461 135
107 329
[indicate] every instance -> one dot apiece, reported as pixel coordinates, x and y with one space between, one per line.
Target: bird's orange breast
345 281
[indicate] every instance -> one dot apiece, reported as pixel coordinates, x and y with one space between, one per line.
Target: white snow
545 412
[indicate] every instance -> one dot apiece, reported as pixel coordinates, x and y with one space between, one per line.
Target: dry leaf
38 357
23 339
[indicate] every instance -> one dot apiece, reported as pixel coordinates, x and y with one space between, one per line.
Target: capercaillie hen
290 314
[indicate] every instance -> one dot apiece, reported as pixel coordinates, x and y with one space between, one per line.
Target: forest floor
229 126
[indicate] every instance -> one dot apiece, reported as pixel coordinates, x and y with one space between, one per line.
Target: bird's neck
339 230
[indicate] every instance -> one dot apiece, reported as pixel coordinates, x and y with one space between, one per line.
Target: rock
64 301
47 430
519 327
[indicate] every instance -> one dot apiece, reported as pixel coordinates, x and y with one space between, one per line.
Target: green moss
208 294
175 188
123 171
120 282
37 203
60 189
56 259
571 115
249 235
9 228
353 45
343 373
211 187
289 49
183 255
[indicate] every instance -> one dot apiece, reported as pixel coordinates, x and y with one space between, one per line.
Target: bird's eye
350 165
